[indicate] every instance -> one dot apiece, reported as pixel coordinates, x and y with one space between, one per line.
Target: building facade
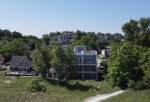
63 39
86 63
1 61
21 64
106 52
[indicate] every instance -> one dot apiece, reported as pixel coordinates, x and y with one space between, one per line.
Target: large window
90 59
79 49
89 68
79 68
79 59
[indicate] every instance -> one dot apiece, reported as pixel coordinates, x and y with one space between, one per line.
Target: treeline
92 40
14 43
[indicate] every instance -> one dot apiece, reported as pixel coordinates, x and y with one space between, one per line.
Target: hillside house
63 39
1 61
103 38
4 43
21 64
106 52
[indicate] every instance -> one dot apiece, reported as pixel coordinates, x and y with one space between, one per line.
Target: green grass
132 96
14 90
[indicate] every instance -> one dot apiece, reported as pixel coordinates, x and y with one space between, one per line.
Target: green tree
79 35
70 62
7 52
18 47
78 42
46 39
41 58
123 65
5 33
138 32
58 59
117 37
144 63
63 61
16 35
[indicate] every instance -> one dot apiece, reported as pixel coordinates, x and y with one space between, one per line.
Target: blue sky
38 17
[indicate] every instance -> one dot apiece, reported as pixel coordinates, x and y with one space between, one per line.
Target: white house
106 52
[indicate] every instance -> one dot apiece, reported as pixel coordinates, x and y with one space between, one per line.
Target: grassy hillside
132 96
13 90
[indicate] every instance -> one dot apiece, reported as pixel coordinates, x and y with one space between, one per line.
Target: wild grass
14 90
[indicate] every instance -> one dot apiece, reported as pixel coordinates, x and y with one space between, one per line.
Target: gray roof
17 59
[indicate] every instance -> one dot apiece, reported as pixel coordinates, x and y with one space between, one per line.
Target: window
79 68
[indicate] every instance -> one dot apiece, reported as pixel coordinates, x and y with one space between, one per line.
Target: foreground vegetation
132 96
14 90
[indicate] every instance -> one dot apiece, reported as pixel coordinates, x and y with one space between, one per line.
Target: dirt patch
99 98
8 81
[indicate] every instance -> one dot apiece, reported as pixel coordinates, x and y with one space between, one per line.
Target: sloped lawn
14 90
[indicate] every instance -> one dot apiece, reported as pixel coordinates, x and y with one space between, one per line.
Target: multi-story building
103 38
86 63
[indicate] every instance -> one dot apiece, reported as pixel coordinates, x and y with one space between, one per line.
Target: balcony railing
89 52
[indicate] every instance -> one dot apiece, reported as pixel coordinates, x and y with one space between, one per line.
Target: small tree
70 63
41 58
58 59
63 61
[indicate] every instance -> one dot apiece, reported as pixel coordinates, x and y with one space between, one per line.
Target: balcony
93 52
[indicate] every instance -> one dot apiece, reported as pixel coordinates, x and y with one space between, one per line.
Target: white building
106 52
86 63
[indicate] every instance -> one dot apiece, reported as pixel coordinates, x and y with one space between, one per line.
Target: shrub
136 85
35 85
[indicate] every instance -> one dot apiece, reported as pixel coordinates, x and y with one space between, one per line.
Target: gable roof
17 59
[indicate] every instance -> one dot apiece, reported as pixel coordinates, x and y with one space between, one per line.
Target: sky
38 17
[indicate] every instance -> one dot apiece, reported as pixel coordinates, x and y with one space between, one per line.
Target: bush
35 85
136 85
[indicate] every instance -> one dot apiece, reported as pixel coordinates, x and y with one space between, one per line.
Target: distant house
86 63
21 64
4 43
27 46
63 39
106 52
2 59
103 38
